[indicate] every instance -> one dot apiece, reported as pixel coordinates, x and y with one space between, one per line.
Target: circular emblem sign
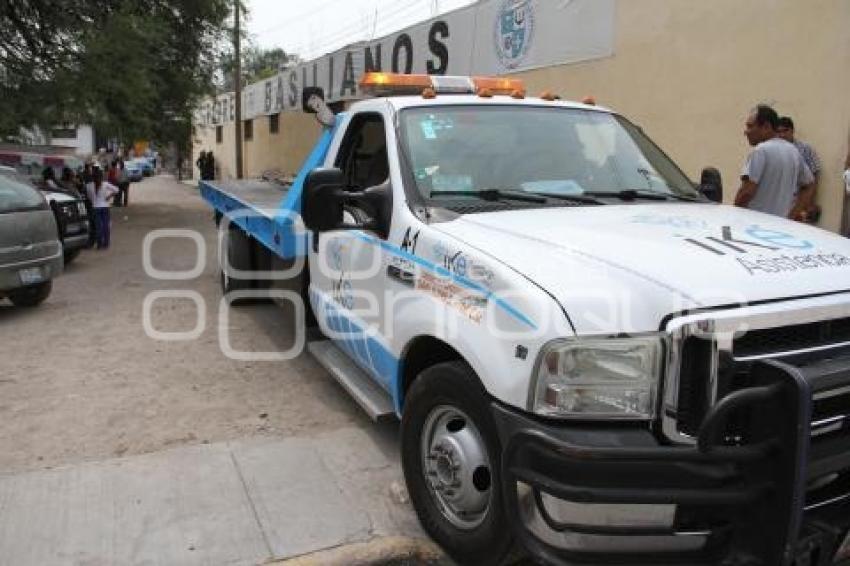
514 32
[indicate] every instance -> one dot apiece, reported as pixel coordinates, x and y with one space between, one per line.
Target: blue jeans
101 222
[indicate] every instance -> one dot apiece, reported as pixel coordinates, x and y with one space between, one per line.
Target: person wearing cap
785 130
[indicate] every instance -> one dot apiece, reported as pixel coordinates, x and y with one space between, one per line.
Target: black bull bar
744 484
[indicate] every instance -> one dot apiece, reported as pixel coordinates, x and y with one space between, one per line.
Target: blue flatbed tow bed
268 211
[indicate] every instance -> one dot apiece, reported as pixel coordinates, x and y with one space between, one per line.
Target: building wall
688 72
284 151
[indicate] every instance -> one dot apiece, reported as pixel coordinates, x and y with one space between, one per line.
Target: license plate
844 549
73 227
30 276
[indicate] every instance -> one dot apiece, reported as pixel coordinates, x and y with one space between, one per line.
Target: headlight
81 208
607 378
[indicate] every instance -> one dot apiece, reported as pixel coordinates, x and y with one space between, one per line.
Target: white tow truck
590 359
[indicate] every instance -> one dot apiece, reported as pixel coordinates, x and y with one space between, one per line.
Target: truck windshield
455 150
15 196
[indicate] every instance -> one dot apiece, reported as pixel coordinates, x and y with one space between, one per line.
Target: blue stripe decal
365 350
443 272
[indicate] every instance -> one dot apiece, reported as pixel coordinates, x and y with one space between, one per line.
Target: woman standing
123 184
100 193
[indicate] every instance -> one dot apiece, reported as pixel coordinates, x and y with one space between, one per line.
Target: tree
134 69
257 64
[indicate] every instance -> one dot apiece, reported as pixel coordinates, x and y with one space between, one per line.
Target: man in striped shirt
785 130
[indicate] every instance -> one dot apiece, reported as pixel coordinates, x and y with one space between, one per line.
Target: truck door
347 267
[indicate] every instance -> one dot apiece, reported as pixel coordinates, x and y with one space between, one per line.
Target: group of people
98 190
781 173
206 165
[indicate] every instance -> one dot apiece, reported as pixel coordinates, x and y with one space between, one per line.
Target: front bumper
79 241
747 502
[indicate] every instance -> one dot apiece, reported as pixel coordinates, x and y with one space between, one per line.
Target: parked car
69 212
134 170
30 250
146 164
72 222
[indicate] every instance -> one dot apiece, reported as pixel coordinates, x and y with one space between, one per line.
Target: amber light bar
393 84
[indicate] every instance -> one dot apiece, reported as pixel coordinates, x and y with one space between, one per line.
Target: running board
369 395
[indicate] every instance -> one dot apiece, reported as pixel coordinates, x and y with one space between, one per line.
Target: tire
31 296
71 256
448 397
238 250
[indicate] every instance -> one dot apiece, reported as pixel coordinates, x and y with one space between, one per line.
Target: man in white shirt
100 192
775 179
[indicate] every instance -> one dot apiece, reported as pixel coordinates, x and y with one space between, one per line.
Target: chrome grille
711 352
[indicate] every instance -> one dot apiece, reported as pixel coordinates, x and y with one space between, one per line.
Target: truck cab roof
401 102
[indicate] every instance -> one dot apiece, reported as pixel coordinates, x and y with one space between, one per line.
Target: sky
311 28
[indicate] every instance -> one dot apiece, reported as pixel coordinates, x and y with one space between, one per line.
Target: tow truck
592 360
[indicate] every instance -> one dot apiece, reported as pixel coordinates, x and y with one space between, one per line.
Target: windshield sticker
443 182
424 172
559 187
433 126
428 130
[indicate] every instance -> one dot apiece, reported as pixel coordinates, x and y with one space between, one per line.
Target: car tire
237 246
446 421
32 295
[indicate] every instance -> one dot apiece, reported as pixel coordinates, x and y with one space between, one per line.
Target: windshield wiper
632 194
493 195
586 198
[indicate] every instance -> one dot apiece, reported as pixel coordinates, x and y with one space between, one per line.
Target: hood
624 268
56 196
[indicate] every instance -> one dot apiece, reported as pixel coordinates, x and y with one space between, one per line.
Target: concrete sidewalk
246 502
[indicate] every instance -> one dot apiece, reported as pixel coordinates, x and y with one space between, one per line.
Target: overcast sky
312 28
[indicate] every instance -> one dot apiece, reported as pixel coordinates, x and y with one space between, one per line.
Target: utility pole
237 82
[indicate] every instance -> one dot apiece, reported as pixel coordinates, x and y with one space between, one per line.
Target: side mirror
711 184
322 200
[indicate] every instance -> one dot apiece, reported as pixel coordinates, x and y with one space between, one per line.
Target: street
230 461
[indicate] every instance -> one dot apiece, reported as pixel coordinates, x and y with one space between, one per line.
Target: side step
369 395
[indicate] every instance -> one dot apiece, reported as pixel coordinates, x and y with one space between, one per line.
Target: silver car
30 252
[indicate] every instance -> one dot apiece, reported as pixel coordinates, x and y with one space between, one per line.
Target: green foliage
134 69
257 64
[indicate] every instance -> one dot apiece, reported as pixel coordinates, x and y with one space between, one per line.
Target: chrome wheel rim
456 467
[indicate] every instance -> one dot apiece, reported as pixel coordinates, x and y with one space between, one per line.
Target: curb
396 551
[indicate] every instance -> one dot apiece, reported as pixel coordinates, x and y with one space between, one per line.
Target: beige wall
689 71
284 151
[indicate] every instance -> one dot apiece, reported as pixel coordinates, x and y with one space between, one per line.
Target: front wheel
31 296
451 458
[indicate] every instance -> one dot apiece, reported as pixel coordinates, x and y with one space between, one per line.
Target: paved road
120 448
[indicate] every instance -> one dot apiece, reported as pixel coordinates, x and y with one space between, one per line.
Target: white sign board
490 37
